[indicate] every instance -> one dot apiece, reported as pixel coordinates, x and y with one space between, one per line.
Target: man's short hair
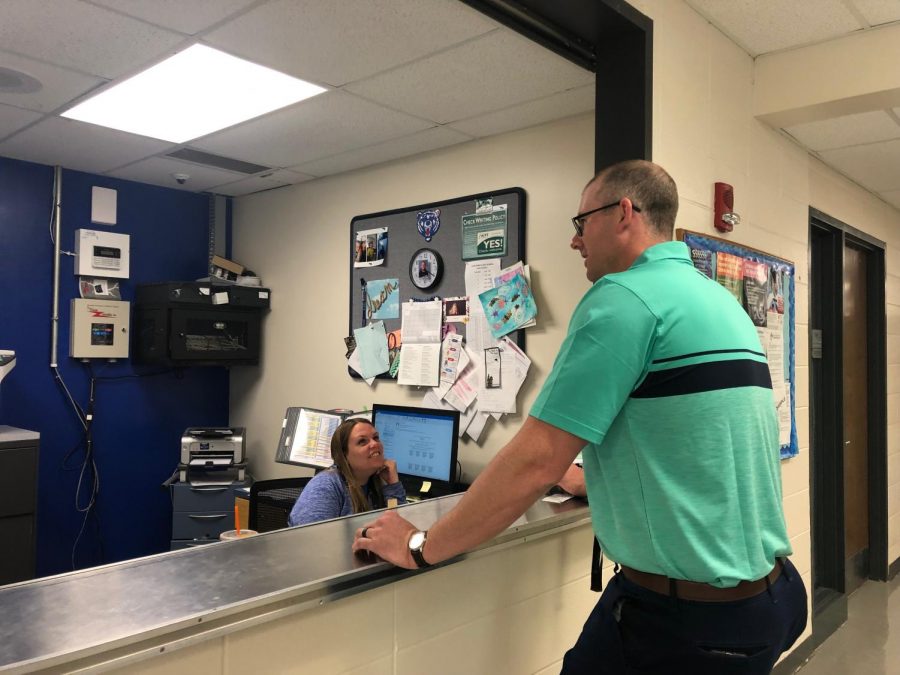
647 185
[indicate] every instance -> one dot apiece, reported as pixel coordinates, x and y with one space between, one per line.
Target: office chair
271 502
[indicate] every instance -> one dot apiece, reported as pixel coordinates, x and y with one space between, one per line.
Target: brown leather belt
700 592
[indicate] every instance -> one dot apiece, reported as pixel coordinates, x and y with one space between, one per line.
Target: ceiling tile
185 17
873 166
877 12
495 71
762 26
568 103
326 125
159 170
351 39
840 132
59 85
423 141
12 119
80 146
248 186
82 37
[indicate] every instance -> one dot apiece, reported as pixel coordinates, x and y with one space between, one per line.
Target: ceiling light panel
194 93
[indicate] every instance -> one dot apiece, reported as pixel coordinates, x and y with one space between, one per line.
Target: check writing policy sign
484 233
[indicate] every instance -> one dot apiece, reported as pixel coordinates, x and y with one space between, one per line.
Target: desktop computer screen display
422 441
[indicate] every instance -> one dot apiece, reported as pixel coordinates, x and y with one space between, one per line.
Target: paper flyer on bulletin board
764 285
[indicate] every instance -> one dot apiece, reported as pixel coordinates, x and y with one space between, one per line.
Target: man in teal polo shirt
662 383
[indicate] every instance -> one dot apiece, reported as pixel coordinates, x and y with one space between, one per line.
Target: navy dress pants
634 630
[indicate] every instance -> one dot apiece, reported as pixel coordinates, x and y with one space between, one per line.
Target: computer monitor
423 441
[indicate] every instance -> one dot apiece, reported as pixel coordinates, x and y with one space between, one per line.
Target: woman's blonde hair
339 441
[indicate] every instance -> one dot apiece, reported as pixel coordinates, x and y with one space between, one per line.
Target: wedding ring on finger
362 534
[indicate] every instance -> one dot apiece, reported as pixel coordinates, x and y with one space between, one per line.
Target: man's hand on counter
573 481
388 538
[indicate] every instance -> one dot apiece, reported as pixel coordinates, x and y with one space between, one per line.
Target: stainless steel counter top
58 619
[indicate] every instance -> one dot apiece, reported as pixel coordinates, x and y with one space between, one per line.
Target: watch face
425 268
416 540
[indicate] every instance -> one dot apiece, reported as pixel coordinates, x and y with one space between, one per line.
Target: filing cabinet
200 513
18 485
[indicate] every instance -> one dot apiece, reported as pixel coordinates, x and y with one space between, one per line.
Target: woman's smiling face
365 453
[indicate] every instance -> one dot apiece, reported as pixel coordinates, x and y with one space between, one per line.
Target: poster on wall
764 285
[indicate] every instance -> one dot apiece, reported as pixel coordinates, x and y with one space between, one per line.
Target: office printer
210 453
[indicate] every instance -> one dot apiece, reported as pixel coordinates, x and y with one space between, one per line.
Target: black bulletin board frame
697 240
404 240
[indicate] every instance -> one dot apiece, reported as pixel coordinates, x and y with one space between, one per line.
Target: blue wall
138 420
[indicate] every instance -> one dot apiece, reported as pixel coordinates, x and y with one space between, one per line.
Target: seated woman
360 480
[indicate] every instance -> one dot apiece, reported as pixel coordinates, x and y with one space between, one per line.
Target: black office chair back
271 502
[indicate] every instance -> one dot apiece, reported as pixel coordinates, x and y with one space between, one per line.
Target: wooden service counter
298 600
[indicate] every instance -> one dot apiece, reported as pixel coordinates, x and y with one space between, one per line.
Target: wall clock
426 268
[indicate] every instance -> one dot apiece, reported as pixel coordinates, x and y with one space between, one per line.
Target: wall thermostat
99 329
101 254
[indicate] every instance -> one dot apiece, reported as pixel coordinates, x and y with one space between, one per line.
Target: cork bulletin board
420 252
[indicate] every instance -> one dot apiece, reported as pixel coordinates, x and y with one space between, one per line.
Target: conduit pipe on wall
56 224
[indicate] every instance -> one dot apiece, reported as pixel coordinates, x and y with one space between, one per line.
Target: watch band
417 553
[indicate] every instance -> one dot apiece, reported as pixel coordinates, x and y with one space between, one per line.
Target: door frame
826 465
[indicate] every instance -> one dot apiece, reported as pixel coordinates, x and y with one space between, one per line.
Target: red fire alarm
725 218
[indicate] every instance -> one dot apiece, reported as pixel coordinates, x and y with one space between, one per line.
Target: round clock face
425 268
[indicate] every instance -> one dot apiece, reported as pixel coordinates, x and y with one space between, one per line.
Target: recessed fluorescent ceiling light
194 93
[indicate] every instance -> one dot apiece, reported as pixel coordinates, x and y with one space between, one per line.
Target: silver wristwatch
416 544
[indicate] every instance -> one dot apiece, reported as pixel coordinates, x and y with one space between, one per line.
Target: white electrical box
101 254
103 205
99 329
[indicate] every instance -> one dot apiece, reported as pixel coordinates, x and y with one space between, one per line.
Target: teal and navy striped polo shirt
662 373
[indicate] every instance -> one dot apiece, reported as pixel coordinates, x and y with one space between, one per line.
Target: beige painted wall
298 240
703 130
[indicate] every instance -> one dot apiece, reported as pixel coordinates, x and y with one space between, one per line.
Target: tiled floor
869 643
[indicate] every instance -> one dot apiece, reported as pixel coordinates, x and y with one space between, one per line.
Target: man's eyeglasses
579 220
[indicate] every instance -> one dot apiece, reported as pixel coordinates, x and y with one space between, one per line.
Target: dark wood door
856 442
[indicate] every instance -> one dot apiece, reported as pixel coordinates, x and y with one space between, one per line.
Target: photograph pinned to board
756 281
705 261
456 309
492 368
394 341
382 299
484 232
508 306
730 273
775 297
370 247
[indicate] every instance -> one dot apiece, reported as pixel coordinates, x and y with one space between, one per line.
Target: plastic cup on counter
228 535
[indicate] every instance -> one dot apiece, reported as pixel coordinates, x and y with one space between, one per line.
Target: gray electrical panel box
99 329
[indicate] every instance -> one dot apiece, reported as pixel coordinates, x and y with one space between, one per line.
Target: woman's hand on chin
388 472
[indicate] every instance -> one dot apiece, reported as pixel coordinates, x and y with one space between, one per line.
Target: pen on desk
237 521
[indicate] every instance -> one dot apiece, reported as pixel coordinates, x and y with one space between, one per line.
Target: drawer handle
210 516
209 489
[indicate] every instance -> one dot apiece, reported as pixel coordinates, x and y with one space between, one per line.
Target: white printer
205 450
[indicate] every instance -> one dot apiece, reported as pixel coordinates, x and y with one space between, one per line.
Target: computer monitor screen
422 441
